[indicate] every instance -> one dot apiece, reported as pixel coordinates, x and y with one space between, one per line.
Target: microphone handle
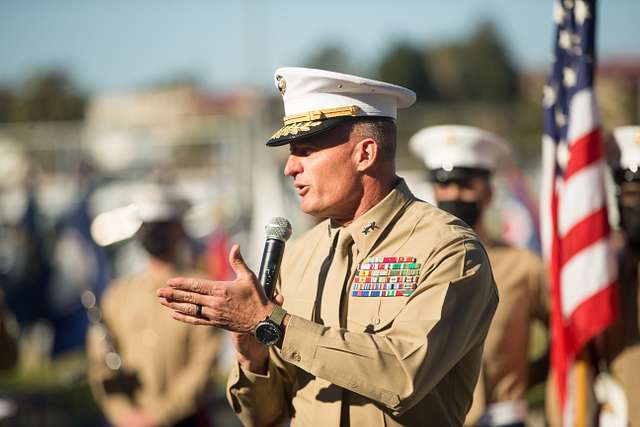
270 265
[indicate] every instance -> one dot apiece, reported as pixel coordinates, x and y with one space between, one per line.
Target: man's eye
303 152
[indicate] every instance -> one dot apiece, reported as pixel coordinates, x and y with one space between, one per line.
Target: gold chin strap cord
328 113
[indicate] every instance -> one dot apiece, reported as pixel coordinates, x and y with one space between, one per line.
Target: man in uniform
622 340
461 160
386 302
146 369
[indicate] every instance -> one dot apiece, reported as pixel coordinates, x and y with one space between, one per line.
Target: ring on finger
198 310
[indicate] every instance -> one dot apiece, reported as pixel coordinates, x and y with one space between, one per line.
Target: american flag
575 226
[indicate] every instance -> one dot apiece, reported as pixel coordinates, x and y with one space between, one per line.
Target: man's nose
455 192
450 191
292 167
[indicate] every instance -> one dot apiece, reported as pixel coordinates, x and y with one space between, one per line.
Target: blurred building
178 126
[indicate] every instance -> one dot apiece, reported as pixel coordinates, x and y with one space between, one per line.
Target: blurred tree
446 71
406 65
47 96
6 101
488 73
478 69
332 58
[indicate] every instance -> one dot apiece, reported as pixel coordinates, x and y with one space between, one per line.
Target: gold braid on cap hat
329 113
294 129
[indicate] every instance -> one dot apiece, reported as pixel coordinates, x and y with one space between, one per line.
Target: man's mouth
302 189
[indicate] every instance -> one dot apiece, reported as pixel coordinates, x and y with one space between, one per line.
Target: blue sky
118 45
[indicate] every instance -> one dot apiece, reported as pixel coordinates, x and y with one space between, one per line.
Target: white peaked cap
153 202
315 100
627 139
308 89
145 203
454 146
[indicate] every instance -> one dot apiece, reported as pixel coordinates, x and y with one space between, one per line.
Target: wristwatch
269 331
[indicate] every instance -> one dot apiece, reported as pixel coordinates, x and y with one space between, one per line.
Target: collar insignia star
369 227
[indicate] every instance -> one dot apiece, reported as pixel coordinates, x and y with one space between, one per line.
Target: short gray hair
382 130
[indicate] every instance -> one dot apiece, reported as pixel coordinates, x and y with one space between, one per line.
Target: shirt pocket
373 314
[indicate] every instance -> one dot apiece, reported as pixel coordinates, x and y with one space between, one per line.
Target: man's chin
310 209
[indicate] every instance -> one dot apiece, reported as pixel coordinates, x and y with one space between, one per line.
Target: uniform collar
368 227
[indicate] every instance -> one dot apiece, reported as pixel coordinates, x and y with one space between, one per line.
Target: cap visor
458 174
297 131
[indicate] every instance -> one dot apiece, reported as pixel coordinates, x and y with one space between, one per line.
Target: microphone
278 231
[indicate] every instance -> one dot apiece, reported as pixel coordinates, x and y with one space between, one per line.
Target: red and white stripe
575 232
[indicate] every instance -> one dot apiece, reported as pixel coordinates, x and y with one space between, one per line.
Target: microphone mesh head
278 228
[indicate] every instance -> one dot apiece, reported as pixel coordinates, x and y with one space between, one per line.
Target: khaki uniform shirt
166 365
622 340
521 278
378 361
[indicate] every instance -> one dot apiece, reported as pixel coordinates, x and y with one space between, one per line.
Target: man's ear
366 154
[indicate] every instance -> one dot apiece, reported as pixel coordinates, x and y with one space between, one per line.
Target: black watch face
267 333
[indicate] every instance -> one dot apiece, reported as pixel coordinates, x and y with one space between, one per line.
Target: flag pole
581 372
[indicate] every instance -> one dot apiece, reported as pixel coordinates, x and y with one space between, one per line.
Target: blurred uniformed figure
461 161
145 368
8 340
8 355
622 340
387 301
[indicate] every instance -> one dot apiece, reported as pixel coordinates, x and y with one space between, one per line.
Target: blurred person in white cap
622 340
387 300
145 369
461 161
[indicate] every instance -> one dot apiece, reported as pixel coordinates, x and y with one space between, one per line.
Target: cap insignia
451 139
637 139
282 84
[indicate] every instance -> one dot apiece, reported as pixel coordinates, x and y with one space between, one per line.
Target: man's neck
374 192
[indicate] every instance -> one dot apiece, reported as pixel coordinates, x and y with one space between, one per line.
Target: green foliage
331 57
48 96
406 65
6 103
486 70
477 69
